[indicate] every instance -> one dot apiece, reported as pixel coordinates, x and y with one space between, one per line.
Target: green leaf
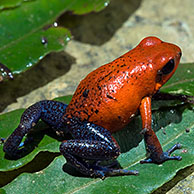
56 38
22 30
146 182
7 4
182 82
89 5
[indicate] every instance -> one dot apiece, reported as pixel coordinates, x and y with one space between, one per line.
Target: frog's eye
168 68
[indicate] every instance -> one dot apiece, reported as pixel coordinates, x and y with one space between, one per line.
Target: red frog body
104 102
111 95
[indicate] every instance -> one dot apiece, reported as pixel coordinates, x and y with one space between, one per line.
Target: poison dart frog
103 103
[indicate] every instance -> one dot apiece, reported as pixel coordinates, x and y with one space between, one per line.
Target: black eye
168 68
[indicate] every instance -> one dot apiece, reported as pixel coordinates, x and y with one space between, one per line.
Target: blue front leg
49 111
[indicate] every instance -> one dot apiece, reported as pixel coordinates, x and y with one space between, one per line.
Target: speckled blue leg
50 112
92 142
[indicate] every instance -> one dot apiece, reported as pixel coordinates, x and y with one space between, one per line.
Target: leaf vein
179 82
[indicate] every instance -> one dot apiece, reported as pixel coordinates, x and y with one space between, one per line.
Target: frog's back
110 95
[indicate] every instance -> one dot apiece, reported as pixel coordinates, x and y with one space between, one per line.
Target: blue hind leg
49 111
95 144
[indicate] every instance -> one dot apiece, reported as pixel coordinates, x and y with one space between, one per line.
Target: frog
105 101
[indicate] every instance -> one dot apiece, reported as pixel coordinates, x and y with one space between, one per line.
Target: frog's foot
103 172
181 97
114 172
185 98
164 156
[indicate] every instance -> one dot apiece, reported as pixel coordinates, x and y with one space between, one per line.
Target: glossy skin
115 90
104 102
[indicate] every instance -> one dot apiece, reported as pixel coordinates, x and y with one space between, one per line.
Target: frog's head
163 57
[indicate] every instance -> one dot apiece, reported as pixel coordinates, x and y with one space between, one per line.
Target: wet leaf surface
23 39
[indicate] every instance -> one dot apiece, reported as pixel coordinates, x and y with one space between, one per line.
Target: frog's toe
122 172
173 148
148 160
99 174
164 156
